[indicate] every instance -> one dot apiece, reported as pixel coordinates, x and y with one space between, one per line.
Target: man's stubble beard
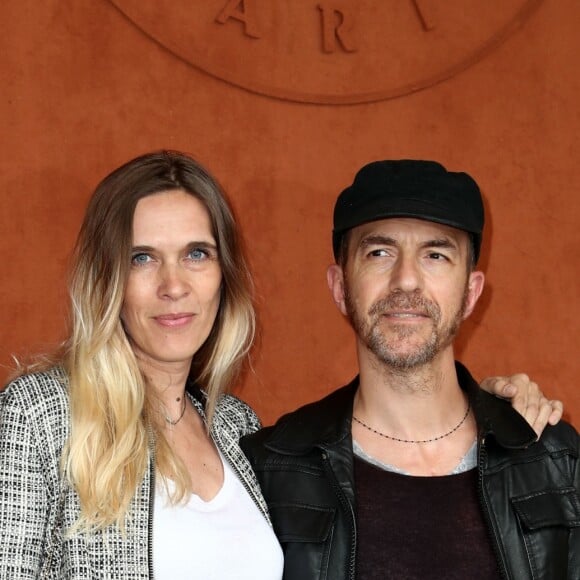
386 348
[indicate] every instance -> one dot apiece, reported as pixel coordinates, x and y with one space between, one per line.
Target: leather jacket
529 491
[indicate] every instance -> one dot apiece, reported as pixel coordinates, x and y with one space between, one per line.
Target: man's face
406 289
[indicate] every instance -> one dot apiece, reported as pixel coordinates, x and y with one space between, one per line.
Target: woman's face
173 290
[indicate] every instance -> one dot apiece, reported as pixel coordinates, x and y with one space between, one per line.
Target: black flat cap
410 188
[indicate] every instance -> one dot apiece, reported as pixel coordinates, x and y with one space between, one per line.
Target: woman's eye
197 254
140 259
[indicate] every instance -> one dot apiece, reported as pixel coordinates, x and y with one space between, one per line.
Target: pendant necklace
174 422
416 440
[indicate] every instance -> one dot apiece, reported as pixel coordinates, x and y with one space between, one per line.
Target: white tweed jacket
37 507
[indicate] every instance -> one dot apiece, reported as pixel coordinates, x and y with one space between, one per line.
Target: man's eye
379 253
140 259
437 256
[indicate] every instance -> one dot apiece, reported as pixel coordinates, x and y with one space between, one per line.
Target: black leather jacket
529 491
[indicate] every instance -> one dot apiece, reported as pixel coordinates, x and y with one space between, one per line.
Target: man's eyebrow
444 243
382 240
377 240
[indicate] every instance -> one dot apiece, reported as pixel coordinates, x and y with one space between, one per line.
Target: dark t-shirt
420 528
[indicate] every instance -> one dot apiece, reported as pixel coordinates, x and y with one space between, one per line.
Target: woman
132 420
120 429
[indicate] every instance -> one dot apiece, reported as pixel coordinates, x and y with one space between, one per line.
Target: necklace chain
174 422
416 440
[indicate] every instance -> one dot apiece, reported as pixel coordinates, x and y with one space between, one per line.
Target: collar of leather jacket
326 423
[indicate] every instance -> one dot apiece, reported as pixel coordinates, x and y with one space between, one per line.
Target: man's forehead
396 228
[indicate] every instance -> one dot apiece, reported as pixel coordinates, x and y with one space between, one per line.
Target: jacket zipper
239 476
486 511
349 510
152 499
151 509
199 408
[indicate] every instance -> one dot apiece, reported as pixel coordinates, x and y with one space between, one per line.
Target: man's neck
421 404
383 387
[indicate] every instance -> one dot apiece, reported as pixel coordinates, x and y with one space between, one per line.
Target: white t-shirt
226 538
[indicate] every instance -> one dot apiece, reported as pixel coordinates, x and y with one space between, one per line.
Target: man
411 471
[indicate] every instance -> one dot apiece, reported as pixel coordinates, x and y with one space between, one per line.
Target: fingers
541 419
500 387
557 411
549 412
527 399
531 403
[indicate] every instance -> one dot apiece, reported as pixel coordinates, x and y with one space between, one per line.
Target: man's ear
335 279
474 290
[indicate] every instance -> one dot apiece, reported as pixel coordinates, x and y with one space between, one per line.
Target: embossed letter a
238 10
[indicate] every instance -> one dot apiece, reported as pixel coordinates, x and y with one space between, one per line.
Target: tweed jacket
37 507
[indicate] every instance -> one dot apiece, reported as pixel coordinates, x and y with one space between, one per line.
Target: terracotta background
84 90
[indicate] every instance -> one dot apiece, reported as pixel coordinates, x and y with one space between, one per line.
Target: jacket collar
324 423
327 422
495 417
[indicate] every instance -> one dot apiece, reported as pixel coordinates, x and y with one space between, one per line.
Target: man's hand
527 399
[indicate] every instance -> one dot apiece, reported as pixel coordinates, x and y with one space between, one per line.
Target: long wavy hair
112 411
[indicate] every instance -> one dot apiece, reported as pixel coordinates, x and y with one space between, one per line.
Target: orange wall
84 89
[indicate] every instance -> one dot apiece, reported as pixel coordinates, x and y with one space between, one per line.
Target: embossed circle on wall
329 51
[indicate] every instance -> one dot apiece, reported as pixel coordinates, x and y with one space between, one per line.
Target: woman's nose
174 283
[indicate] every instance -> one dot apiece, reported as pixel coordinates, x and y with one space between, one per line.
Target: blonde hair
112 426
